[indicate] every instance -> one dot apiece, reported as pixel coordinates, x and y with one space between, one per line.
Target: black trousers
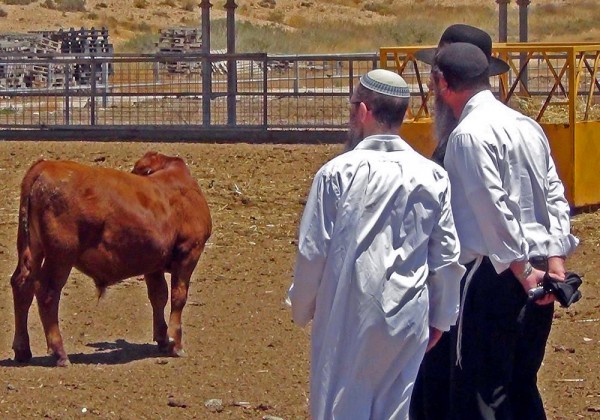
500 356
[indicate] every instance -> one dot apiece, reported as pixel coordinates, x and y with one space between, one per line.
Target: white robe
377 265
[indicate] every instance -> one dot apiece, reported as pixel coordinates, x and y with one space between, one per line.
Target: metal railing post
351 77
155 71
573 86
523 37
67 94
230 6
104 84
502 20
265 83
206 69
93 92
296 77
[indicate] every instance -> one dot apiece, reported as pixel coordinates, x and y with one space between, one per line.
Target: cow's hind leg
179 294
180 281
158 294
53 277
22 289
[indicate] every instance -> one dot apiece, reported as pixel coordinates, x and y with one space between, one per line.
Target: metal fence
552 83
166 95
257 97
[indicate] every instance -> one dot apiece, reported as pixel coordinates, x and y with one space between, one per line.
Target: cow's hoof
170 348
23 356
178 352
63 362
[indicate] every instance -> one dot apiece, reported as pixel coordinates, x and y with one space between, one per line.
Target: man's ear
443 84
362 112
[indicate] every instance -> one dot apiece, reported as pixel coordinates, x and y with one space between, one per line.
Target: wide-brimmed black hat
471 35
461 61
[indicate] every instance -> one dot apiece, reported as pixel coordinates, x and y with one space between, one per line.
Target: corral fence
194 96
244 97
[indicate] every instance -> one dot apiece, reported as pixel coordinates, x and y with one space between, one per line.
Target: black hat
472 35
461 61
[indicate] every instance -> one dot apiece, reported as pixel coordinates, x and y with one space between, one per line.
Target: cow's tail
25 265
100 292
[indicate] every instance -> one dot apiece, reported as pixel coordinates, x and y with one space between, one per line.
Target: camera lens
536 293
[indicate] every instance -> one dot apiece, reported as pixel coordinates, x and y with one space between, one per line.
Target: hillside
302 25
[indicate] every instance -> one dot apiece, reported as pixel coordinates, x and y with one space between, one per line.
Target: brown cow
110 225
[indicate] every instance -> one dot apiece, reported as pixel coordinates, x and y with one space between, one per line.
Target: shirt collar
476 100
383 143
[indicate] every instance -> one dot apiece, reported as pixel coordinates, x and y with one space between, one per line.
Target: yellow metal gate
556 84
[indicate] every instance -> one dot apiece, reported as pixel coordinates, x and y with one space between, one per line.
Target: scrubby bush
70 5
143 43
188 5
18 2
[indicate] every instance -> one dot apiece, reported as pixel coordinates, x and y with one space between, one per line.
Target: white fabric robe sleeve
313 242
443 281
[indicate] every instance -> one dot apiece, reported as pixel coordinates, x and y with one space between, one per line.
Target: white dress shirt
377 265
507 199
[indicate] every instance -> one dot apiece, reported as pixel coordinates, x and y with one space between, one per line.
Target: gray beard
444 123
355 136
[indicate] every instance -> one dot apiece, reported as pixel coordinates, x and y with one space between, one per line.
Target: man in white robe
377 268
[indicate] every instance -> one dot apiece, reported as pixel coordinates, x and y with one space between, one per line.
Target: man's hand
556 267
530 279
434 337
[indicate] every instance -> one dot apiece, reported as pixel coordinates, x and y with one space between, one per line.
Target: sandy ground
242 347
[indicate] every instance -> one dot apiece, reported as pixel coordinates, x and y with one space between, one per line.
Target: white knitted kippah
386 82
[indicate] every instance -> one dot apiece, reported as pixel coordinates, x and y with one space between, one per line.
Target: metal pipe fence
167 92
190 96
558 83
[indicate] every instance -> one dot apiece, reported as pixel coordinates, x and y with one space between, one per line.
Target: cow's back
110 224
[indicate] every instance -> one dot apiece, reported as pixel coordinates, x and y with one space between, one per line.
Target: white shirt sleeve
475 168
562 242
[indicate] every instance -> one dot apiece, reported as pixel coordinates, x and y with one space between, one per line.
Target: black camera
566 292
537 293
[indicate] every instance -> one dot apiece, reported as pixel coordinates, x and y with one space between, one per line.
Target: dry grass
555 114
291 26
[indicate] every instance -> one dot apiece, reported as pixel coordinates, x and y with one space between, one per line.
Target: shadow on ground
106 353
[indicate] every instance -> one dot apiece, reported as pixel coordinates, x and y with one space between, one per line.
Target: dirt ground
242 347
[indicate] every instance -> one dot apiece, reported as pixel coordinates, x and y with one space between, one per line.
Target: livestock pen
287 98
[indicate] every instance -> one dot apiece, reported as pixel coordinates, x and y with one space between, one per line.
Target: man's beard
444 123
355 136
